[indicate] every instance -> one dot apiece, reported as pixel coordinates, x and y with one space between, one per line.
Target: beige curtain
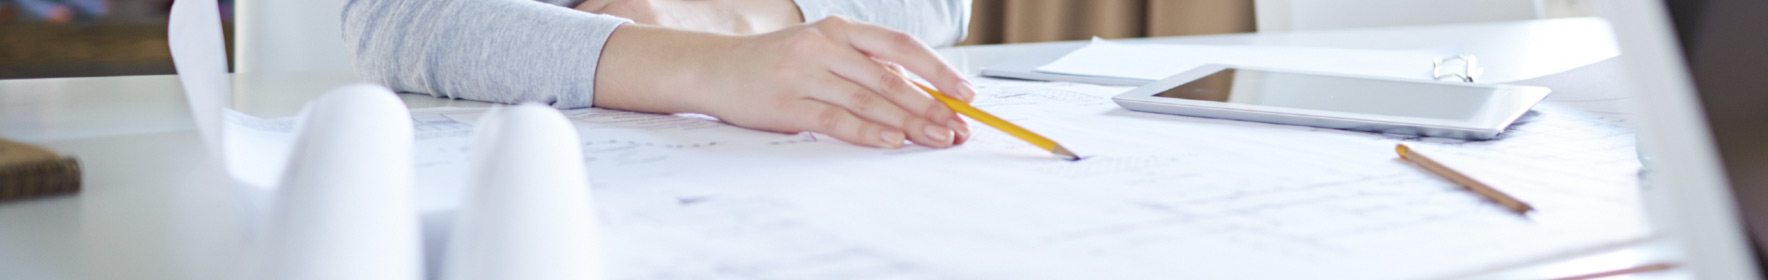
1021 21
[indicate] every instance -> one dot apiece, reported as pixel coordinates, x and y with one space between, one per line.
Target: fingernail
939 133
958 129
969 91
892 139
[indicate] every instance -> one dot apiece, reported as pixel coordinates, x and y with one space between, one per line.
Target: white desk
143 215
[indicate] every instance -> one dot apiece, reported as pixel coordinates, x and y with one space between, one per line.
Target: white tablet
1377 104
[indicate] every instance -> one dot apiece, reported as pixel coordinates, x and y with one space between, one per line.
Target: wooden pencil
1483 190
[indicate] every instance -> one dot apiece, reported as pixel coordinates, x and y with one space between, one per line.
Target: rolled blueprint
344 209
527 214
193 32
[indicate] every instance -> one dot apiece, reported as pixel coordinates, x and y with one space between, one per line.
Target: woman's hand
716 16
824 77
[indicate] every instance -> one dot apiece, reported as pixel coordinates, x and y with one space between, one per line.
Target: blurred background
1023 21
78 38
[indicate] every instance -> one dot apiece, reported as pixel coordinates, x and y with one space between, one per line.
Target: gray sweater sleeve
938 23
503 51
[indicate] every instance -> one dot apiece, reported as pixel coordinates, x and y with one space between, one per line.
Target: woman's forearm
657 67
824 77
935 22
716 16
835 76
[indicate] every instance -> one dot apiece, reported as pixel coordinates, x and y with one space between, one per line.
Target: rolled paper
193 33
344 209
527 213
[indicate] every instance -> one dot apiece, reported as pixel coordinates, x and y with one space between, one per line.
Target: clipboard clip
1443 68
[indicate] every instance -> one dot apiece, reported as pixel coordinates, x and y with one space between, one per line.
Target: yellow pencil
998 123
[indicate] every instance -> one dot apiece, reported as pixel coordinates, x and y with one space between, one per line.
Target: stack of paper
1161 197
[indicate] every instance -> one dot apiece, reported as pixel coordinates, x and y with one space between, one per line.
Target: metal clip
1470 68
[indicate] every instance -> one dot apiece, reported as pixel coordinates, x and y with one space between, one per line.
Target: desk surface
145 215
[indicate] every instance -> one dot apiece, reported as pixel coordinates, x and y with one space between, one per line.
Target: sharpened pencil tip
1524 209
1064 153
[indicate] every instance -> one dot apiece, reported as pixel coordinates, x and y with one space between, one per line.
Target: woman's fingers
960 129
862 70
873 106
896 47
819 117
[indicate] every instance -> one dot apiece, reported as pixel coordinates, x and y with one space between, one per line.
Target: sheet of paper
1572 89
1160 196
1158 61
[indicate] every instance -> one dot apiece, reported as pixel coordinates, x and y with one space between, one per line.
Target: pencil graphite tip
1525 212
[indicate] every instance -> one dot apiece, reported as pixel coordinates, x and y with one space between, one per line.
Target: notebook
29 171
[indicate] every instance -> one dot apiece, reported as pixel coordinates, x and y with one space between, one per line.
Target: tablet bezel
1511 103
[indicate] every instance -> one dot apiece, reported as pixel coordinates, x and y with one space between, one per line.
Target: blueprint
1158 196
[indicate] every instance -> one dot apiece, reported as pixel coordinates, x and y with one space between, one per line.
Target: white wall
288 36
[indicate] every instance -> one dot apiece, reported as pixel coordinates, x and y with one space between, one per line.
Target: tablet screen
1337 94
